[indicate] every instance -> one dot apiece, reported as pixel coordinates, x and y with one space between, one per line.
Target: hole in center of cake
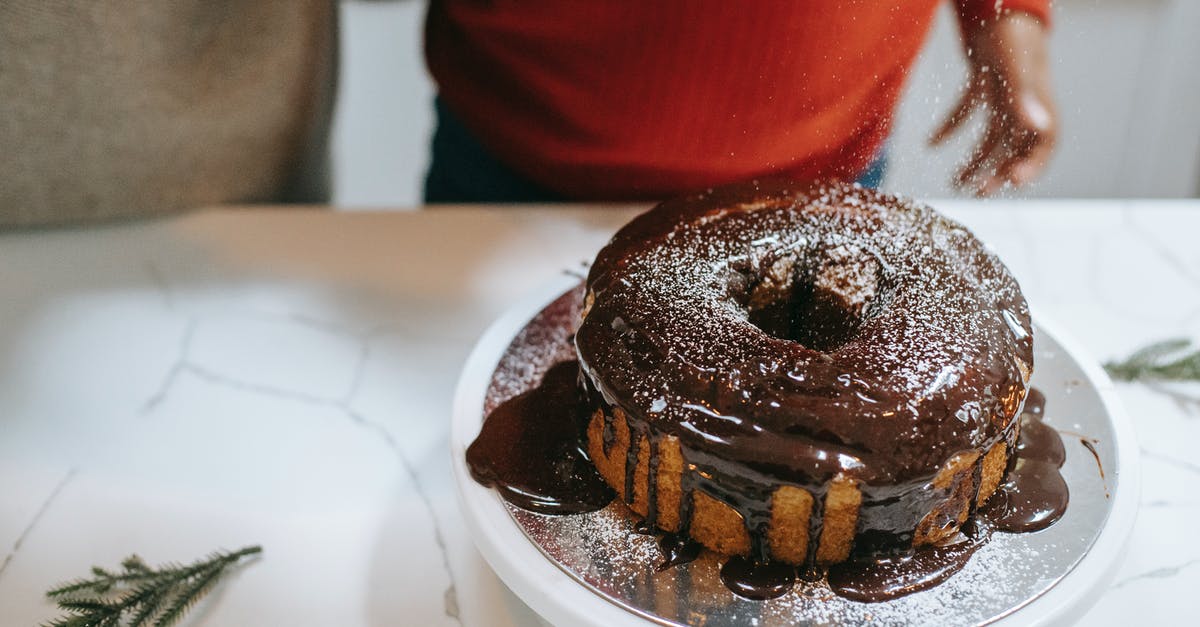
808 315
819 306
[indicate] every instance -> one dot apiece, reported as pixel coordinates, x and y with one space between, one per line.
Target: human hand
1010 80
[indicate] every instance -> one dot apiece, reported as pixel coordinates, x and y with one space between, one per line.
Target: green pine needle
1168 360
142 595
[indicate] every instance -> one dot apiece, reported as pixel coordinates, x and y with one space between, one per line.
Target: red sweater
620 100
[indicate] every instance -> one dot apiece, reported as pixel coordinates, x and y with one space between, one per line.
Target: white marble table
284 377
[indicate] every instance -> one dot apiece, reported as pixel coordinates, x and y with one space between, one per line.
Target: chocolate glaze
529 449
874 580
755 580
677 549
1039 440
1033 495
879 571
788 335
778 351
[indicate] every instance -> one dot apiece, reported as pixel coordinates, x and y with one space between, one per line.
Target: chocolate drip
1040 441
644 528
755 580
976 486
1033 495
872 581
636 433
652 483
1090 445
746 493
687 494
529 449
608 434
677 549
816 524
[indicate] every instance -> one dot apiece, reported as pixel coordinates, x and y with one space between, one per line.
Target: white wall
1127 74
385 106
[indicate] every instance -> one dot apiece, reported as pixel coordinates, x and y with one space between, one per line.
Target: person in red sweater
543 100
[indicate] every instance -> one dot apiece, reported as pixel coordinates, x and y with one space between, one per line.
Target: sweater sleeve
972 12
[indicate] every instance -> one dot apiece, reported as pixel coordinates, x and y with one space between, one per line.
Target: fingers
1013 69
1025 170
966 104
1027 132
1015 162
993 140
1024 162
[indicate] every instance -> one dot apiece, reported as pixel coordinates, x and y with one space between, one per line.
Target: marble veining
1162 572
1164 251
285 378
41 511
1188 466
184 366
1188 403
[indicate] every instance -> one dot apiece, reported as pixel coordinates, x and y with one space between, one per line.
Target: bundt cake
792 372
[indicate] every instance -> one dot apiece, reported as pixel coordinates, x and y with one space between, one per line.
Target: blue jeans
461 170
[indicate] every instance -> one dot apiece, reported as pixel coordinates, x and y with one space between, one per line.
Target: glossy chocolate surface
787 335
529 449
532 391
677 549
875 580
1033 495
755 580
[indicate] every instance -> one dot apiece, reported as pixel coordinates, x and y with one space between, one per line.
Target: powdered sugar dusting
601 551
605 553
931 312
544 342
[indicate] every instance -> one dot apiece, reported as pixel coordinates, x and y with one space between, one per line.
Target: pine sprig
1169 360
140 596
